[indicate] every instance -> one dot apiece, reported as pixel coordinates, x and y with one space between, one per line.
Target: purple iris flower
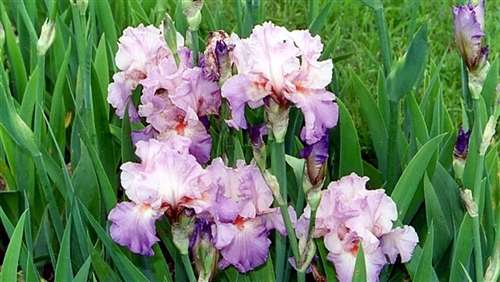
469 33
462 144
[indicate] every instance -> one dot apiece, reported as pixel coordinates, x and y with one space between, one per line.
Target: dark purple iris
202 230
462 144
257 133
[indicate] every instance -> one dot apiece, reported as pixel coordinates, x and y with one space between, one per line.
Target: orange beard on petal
239 222
179 128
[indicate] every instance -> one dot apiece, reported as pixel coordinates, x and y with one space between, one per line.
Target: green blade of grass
14 54
350 151
64 271
11 259
409 180
359 274
423 273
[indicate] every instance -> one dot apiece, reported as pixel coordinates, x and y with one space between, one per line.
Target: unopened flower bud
170 35
460 152
47 35
277 117
257 134
469 203
307 254
488 133
316 156
493 271
205 254
192 10
469 34
274 185
215 62
181 231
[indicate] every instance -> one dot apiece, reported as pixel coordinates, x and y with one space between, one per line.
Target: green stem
195 45
478 257
278 168
188 267
466 93
312 221
383 34
392 152
301 276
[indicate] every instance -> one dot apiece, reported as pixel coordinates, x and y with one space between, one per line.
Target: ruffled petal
377 212
343 253
320 112
119 96
164 177
274 220
240 90
273 54
197 93
400 241
133 226
248 247
139 48
143 135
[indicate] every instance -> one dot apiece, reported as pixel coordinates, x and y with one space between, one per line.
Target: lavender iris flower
284 66
349 215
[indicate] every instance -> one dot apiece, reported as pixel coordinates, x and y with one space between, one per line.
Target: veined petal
165 177
119 96
197 93
133 226
139 48
243 244
400 241
343 253
320 112
377 212
240 90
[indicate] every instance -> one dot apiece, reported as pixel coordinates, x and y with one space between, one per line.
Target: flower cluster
176 98
222 214
277 68
234 201
349 215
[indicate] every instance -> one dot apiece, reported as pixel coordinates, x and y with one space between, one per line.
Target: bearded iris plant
225 211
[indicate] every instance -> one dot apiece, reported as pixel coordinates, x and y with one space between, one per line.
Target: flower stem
478 257
392 153
195 46
278 168
383 35
312 221
466 93
188 267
